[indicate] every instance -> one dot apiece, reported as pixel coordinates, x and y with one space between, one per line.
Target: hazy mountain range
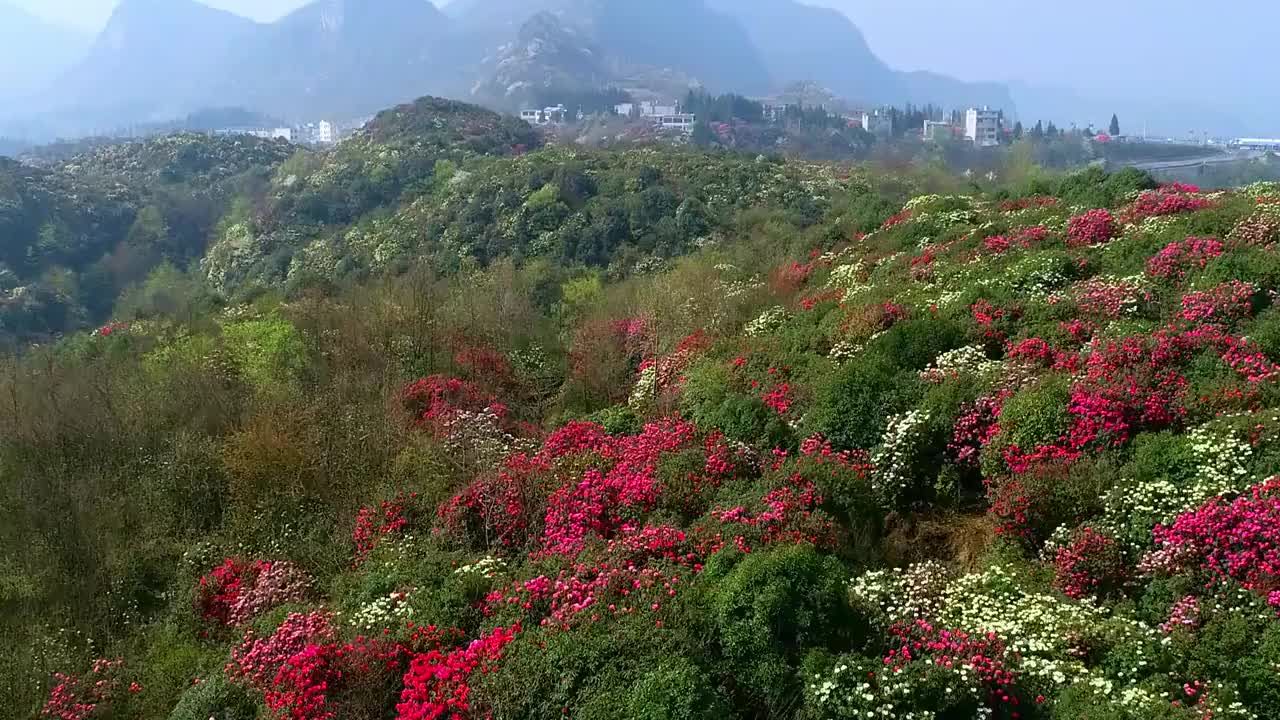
158 59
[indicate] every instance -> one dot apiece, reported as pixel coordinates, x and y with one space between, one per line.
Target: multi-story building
982 127
645 109
935 129
324 133
678 121
877 123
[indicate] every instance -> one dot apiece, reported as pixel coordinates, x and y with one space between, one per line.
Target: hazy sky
93 14
1220 53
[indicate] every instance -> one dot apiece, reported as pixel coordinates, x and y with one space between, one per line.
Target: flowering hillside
1009 455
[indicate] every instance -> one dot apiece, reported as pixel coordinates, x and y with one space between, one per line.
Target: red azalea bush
435 400
617 486
372 525
304 673
436 686
981 656
75 697
1225 303
1178 259
897 220
1167 200
1096 227
1109 299
1237 539
975 428
235 592
1090 565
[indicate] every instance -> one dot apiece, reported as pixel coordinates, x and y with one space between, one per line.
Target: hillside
450 424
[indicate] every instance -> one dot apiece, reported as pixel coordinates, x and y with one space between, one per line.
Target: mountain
546 57
34 51
161 59
811 44
154 59
344 56
687 36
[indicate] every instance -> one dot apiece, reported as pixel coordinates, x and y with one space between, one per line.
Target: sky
91 15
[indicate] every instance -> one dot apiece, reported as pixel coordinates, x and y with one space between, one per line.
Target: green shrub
215 698
270 352
676 689
711 400
1036 415
771 609
853 404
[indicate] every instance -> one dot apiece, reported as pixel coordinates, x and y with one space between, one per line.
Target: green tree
702 135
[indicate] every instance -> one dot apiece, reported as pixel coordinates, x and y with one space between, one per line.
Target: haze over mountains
157 59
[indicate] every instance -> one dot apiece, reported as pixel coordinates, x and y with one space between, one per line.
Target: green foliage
215 698
768 609
270 352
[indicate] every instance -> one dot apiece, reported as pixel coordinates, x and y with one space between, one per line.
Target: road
1215 159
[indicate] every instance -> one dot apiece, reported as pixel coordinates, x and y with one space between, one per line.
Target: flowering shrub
75 697
1227 302
1178 259
436 685
1095 227
896 457
927 673
373 525
1110 298
236 592
303 672
1238 540
1168 200
967 361
1091 565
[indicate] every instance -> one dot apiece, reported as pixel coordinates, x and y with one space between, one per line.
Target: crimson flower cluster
235 592
374 524
1096 227
1178 259
301 669
984 655
75 697
1090 565
1024 238
436 399
437 685
1167 200
1238 539
618 485
1227 302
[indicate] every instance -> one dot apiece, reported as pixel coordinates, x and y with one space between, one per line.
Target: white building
324 133
645 109
876 123
678 121
933 129
285 134
982 127
546 116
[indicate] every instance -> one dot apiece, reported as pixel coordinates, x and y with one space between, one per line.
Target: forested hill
442 423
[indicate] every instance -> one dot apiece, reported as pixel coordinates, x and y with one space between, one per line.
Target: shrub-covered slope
681 436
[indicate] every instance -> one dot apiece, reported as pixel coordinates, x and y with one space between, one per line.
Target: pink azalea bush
1096 227
1236 539
1178 259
